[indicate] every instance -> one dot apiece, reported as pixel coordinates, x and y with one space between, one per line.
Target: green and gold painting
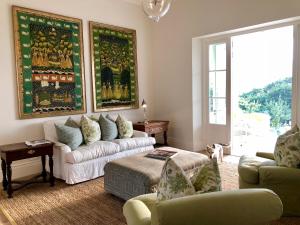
49 64
114 67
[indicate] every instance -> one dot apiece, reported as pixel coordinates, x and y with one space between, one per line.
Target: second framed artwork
114 67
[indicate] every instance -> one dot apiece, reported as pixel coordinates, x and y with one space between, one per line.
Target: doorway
261 89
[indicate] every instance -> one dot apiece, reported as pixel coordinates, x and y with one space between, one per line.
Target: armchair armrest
279 175
137 213
137 133
266 155
247 207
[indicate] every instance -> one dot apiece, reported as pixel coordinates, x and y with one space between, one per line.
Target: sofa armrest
279 175
137 133
247 207
136 213
266 155
59 152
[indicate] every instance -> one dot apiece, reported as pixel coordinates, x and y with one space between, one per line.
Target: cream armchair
238 207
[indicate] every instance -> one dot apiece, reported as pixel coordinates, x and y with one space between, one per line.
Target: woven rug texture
85 203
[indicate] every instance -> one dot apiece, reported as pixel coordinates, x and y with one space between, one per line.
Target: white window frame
226 37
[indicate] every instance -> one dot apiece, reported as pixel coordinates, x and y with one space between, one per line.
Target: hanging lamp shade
155 9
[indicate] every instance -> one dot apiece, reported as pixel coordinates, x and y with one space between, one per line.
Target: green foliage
274 99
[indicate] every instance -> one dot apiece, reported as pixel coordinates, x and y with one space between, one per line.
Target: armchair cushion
249 168
287 149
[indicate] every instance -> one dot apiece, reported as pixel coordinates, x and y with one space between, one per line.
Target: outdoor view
261 89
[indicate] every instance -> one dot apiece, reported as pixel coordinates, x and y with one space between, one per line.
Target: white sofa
88 161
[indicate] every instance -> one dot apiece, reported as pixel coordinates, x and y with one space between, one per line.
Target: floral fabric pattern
207 177
90 129
125 128
173 182
287 149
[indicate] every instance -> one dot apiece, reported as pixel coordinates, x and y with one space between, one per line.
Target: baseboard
25 168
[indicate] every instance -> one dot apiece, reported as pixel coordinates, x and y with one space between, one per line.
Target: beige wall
173 35
113 12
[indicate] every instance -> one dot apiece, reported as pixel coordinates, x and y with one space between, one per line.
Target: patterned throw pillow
69 135
125 127
72 123
287 149
207 177
109 130
173 183
90 129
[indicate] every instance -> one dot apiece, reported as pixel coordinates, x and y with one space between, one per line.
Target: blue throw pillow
109 129
69 135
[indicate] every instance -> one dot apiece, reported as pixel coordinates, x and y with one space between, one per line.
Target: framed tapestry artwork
114 67
49 64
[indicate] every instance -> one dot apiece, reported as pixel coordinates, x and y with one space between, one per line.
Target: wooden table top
21 146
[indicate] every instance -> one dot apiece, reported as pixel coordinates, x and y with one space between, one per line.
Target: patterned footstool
136 175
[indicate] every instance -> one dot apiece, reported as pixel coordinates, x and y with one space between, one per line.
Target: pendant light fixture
155 9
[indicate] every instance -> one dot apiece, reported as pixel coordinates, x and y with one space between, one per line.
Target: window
217 84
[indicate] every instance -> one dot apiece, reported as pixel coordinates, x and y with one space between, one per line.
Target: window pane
212 57
212 84
220 84
217 111
220 56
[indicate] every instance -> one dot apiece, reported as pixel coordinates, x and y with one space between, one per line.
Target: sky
261 58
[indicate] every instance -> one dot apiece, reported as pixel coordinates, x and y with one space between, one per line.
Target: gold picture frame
114 67
49 64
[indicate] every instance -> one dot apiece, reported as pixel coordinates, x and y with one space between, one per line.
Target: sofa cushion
287 149
125 127
109 129
70 136
132 143
90 130
249 168
93 151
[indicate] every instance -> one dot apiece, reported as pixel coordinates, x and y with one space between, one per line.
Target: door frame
209 130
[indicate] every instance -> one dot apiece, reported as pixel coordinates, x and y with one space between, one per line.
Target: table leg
4 180
44 173
165 138
9 186
51 170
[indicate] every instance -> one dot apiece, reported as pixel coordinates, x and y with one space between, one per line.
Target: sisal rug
85 203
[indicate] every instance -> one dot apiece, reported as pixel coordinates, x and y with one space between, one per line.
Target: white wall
115 12
173 35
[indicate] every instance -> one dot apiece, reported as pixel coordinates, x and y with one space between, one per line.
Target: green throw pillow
173 182
72 123
287 149
69 135
207 177
90 130
125 128
109 130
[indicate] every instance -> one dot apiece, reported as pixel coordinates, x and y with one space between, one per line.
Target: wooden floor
3 219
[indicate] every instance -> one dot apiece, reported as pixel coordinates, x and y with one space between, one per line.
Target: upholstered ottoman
136 175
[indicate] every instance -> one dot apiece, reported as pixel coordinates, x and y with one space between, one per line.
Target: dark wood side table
18 151
154 127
